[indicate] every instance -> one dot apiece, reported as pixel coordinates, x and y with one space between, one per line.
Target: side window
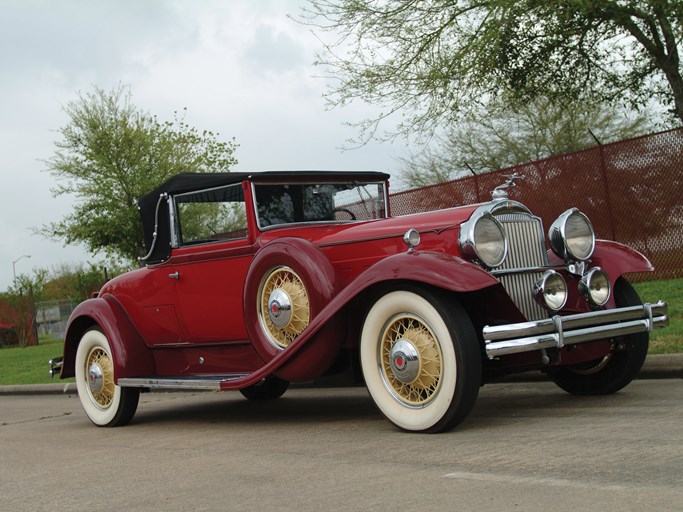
211 215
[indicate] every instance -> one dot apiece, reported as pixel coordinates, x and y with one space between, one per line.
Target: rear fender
131 356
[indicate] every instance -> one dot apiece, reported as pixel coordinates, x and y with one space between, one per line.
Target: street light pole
14 265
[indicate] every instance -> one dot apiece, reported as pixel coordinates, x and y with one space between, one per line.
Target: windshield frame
381 198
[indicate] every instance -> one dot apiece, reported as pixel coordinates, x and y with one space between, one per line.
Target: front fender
614 258
434 269
131 357
617 259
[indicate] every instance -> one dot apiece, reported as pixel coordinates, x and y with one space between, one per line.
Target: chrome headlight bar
571 236
482 238
551 290
595 287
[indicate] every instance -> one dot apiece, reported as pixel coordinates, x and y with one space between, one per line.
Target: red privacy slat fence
631 190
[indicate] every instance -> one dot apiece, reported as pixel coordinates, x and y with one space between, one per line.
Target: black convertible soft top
154 212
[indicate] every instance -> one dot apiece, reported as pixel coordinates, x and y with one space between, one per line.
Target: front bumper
559 331
55 366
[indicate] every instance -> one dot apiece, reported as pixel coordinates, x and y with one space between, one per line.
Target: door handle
174 275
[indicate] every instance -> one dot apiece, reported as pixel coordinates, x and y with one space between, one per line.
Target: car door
210 263
209 285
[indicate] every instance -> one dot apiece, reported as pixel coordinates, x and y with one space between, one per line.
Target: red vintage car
257 280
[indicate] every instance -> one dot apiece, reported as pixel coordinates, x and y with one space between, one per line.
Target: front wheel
105 403
420 360
619 367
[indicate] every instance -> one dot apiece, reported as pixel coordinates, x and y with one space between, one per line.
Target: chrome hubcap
95 378
410 360
283 307
404 361
279 308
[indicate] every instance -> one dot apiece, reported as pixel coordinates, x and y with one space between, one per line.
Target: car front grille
526 255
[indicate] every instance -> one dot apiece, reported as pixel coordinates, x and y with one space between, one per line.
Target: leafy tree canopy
434 60
506 135
77 282
110 154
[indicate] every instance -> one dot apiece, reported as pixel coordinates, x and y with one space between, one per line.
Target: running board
198 382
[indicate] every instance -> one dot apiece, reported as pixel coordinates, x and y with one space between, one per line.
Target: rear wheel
619 367
105 403
284 309
288 284
420 360
269 388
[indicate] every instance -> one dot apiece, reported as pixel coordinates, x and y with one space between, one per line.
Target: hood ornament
501 191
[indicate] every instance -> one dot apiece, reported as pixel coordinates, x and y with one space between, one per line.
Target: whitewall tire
105 403
420 359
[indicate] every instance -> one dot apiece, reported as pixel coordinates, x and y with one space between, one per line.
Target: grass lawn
670 339
29 365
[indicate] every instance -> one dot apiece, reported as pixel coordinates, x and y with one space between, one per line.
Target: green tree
501 136
110 154
77 281
434 60
18 305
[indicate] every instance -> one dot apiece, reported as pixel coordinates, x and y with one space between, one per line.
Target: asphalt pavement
526 446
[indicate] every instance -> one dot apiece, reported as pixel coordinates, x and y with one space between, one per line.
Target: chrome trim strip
173 220
198 382
502 207
559 330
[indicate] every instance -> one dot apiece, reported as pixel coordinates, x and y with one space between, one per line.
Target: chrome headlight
482 238
595 287
571 236
551 290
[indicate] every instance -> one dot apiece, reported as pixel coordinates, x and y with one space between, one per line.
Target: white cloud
242 68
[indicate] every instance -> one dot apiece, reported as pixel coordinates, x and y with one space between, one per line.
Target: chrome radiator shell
525 261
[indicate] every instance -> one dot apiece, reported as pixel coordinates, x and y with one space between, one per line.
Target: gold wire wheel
284 309
412 375
99 372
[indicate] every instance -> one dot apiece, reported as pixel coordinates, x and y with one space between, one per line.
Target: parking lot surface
526 446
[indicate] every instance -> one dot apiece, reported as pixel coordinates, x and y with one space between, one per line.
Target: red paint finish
197 312
131 356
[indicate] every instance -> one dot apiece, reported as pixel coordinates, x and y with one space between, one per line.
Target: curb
659 366
68 388
662 366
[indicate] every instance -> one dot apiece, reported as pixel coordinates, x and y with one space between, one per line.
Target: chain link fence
52 317
631 190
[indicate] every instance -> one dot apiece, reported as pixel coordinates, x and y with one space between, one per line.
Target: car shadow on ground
497 405
295 407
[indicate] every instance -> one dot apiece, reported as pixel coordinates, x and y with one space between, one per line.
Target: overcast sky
241 67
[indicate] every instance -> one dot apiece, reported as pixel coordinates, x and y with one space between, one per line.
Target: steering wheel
344 210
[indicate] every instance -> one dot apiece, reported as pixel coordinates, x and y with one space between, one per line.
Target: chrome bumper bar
55 366
558 331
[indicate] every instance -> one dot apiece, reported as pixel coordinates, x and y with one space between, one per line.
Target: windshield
279 203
